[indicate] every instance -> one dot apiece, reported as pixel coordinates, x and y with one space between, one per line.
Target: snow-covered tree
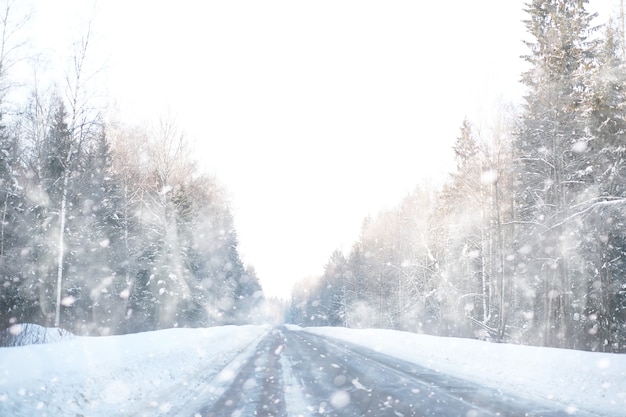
551 166
601 237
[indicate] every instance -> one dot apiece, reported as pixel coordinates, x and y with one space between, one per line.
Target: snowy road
295 373
256 371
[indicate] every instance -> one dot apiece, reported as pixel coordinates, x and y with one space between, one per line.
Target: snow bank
120 375
594 382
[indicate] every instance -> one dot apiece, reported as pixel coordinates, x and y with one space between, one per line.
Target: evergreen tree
465 205
249 295
15 301
550 167
96 243
602 322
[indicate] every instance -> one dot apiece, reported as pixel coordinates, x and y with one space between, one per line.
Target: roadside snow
593 382
123 375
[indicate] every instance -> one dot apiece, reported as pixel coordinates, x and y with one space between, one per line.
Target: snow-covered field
594 382
173 372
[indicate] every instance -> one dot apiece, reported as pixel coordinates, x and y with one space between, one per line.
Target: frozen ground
185 371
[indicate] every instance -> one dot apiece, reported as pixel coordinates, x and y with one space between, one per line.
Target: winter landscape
301 209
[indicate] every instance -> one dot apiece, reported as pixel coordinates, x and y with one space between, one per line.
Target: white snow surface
166 372
586 381
173 372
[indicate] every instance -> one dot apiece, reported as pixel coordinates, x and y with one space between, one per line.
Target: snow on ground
594 382
177 371
123 375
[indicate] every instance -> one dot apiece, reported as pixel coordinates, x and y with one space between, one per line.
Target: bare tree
10 43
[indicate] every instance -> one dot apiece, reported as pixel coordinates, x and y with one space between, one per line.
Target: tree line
106 228
526 241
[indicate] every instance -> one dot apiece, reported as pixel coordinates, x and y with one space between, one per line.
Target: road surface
294 373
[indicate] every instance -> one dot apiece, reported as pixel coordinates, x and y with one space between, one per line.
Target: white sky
314 114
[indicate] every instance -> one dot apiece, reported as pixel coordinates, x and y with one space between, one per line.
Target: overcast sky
313 114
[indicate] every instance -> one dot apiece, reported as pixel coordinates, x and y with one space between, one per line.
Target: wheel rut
257 390
301 374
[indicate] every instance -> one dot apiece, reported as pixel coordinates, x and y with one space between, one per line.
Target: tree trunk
485 275
3 222
61 255
622 19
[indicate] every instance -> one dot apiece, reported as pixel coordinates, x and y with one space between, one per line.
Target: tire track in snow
256 390
293 373
295 401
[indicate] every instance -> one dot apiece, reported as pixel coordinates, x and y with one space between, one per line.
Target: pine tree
14 294
96 273
466 217
550 165
602 238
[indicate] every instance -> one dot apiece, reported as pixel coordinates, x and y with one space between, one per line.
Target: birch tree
82 124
